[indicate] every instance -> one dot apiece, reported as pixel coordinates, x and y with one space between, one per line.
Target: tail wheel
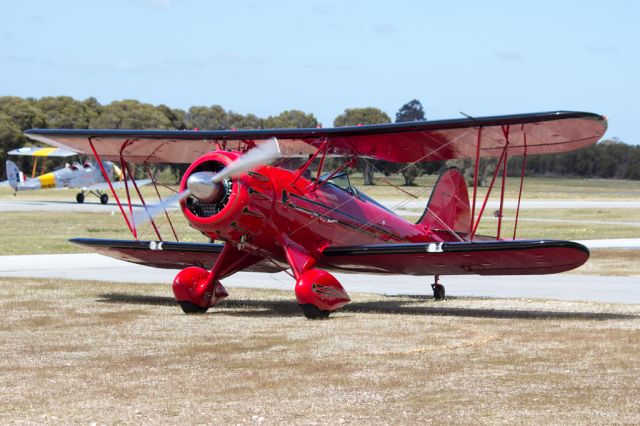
104 198
312 312
438 291
191 308
80 197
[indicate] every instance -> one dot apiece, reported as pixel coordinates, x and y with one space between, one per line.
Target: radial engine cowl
230 209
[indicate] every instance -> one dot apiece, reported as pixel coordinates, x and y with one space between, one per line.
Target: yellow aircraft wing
39 151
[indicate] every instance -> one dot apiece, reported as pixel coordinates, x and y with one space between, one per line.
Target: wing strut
505 130
113 192
306 165
475 179
486 198
126 188
144 204
153 180
524 165
502 163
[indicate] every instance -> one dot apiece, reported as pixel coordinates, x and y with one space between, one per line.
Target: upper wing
539 133
103 186
39 151
518 257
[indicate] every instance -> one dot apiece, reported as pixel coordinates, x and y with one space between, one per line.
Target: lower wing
167 254
518 257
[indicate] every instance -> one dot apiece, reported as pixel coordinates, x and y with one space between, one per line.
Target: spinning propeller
207 186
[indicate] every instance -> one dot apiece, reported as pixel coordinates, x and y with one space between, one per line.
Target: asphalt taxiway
573 287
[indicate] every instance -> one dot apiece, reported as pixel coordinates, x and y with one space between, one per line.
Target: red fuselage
269 209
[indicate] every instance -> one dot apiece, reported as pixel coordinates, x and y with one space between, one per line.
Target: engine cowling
234 209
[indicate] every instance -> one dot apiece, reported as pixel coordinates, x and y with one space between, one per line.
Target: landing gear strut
438 289
104 198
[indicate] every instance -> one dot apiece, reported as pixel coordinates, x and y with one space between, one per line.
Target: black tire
104 199
438 291
191 308
80 197
312 312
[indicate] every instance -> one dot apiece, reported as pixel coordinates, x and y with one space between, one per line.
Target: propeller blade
262 154
151 211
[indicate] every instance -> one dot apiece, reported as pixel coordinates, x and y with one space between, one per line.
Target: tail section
14 175
448 208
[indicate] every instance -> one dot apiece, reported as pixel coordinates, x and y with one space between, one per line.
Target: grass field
86 352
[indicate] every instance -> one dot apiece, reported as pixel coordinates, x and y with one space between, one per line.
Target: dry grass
617 262
534 188
88 352
46 232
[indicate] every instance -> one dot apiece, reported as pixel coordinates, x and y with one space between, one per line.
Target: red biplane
254 191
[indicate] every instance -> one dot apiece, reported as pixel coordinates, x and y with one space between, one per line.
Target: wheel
191 308
312 312
80 197
104 198
438 291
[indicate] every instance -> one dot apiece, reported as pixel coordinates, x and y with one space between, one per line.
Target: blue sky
322 56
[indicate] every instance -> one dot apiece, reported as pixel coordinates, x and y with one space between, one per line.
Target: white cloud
384 29
507 56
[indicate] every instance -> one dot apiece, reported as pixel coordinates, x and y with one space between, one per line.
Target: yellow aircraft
85 176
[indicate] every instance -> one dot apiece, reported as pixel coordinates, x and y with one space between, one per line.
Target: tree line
608 159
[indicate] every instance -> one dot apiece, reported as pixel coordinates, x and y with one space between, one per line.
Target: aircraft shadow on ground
284 308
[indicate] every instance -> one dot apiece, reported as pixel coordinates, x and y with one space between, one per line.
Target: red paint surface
320 288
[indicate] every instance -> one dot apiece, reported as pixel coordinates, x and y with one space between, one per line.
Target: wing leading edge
537 133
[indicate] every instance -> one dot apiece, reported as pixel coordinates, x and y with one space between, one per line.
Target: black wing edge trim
452 247
147 245
324 132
